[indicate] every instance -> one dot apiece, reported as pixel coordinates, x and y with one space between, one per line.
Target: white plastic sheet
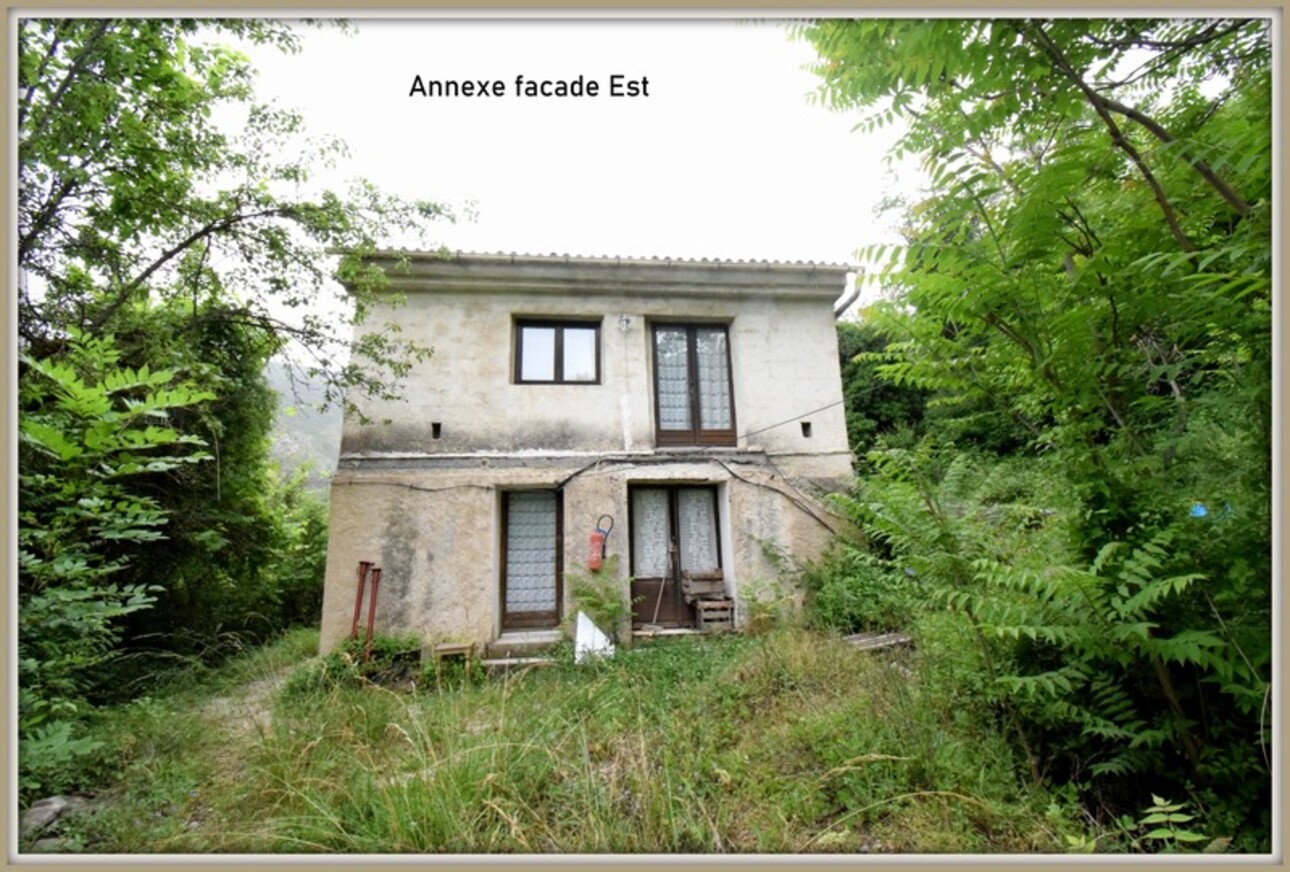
588 640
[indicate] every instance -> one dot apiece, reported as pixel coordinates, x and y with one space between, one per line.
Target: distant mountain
302 435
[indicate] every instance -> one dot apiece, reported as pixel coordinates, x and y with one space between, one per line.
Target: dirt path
246 710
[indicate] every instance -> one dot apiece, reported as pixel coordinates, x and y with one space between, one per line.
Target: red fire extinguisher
596 549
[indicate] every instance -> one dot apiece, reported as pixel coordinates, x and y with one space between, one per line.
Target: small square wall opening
806 429
436 429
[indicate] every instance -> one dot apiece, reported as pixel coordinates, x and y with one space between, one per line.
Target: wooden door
674 530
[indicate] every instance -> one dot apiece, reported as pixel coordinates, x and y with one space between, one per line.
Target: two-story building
694 405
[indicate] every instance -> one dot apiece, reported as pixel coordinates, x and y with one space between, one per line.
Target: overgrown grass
786 742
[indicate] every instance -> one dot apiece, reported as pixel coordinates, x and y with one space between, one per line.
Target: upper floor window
693 392
557 352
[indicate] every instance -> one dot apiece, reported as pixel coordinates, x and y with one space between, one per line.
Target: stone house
691 408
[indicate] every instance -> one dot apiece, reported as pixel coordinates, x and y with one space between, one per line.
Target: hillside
303 436
787 742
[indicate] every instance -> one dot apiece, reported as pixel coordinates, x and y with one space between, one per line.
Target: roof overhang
429 271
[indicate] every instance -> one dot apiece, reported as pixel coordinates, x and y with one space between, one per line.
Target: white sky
725 159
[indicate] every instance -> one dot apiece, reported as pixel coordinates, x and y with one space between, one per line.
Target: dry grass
788 742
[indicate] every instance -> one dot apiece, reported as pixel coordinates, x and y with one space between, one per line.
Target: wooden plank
505 663
875 641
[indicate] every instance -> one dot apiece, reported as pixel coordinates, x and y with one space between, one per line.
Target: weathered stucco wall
421 496
783 358
435 535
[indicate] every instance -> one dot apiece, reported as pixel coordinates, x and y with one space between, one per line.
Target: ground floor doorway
674 537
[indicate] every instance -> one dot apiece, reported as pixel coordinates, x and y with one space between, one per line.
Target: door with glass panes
693 391
531 559
674 531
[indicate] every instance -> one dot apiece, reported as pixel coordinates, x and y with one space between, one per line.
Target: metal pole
371 614
363 567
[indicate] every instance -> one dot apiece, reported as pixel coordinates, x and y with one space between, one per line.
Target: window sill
699 449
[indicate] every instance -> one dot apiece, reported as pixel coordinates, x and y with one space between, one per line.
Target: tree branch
1060 62
40 223
1168 50
73 72
219 226
1209 34
1207 173
24 105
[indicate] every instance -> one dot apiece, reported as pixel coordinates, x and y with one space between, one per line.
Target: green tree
129 191
1096 258
228 518
152 241
874 406
89 429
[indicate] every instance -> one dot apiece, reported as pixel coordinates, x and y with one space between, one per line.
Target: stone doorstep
506 664
529 643
529 646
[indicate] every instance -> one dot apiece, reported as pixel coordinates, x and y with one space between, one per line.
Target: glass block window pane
530 552
537 362
698 523
671 360
650 532
714 379
579 354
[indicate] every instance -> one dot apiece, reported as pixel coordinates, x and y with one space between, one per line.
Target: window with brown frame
557 352
693 391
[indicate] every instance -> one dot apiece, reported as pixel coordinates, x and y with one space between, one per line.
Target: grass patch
786 742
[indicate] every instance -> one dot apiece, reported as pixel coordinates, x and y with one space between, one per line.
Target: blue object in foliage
1198 510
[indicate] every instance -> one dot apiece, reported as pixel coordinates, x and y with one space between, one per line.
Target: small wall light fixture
624 323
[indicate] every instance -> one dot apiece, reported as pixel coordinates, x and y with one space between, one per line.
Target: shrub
392 659
603 597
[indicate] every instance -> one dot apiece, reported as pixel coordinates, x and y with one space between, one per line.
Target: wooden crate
716 614
703 586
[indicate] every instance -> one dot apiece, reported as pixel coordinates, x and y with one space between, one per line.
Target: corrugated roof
654 259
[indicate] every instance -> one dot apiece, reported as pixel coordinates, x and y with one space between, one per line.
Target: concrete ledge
482 461
675 631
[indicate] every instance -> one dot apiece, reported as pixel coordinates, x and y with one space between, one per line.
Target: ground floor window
531 559
674 533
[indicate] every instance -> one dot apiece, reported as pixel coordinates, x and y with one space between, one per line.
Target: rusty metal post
371 614
363 567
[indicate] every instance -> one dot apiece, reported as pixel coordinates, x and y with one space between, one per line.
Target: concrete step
506 664
526 644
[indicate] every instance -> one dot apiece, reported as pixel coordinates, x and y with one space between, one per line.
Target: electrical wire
800 502
791 420
802 506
